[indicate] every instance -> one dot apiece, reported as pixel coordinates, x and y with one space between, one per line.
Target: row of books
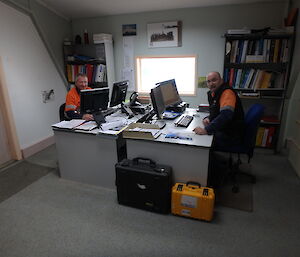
95 72
265 136
253 78
258 51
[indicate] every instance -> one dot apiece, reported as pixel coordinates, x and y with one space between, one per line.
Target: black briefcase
141 183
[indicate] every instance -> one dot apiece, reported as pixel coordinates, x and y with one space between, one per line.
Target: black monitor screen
157 101
169 92
94 100
119 93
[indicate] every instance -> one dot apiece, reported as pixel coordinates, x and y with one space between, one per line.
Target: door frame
9 123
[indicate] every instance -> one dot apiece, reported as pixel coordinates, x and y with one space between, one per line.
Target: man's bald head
214 80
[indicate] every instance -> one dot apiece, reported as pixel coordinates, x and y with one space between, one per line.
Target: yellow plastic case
192 200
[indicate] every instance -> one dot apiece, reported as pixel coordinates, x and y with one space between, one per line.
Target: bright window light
151 70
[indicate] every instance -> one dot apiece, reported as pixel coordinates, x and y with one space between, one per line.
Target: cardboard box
142 131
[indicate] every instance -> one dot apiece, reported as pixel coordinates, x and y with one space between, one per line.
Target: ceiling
76 9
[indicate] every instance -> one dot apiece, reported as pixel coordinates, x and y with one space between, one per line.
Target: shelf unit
258 66
93 59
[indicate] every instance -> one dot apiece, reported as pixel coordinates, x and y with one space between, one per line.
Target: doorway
9 144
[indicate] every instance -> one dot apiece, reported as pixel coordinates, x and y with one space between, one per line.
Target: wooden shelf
257 36
277 67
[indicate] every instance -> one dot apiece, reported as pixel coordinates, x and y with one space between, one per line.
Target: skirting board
26 152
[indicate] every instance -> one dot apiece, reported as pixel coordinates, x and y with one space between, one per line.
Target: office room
43 213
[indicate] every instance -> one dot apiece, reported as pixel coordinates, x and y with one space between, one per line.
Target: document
69 124
90 125
113 123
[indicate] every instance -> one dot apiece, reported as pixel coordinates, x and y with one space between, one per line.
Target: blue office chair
252 120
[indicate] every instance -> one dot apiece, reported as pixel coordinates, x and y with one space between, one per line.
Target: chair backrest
62 112
252 120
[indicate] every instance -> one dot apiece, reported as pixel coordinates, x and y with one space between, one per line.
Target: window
151 70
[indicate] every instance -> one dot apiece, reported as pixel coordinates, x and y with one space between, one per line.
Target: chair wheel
235 189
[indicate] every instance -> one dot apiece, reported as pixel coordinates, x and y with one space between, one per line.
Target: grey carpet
60 218
18 176
243 200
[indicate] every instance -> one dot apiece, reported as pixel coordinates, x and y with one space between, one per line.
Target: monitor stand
126 109
99 118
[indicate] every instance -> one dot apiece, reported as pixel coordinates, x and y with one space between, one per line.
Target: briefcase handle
139 160
193 183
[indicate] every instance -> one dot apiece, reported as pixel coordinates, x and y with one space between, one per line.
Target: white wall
292 131
201 32
28 70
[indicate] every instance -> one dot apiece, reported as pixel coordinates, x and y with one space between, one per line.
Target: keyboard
184 121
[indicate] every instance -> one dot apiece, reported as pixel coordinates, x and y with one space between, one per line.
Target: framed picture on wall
129 30
164 34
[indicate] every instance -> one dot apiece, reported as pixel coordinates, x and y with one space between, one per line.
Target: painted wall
292 131
201 32
28 71
53 28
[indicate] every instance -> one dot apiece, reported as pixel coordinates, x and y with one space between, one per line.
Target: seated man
226 115
72 108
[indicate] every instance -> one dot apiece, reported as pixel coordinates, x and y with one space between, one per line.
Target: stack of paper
70 124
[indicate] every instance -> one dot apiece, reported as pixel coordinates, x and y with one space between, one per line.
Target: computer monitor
94 100
119 93
157 101
169 92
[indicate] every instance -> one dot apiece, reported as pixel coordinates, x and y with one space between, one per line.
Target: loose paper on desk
90 125
68 124
179 135
113 122
155 132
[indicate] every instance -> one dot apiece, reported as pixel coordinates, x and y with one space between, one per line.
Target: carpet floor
18 176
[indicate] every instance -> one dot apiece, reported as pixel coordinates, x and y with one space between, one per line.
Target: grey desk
88 157
189 159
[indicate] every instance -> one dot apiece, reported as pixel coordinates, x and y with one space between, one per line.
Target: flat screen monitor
157 101
118 93
169 92
94 100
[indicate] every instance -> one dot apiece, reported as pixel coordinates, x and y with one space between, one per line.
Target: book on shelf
100 73
249 94
257 51
254 59
258 79
270 136
238 31
249 78
265 82
259 136
265 136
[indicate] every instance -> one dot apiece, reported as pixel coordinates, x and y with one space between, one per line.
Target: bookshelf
257 66
91 59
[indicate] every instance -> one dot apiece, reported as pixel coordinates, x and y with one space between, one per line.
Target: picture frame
129 30
164 34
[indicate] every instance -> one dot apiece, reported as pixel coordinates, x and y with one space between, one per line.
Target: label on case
186 212
189 201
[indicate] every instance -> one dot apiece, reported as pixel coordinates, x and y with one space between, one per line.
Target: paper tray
142 131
